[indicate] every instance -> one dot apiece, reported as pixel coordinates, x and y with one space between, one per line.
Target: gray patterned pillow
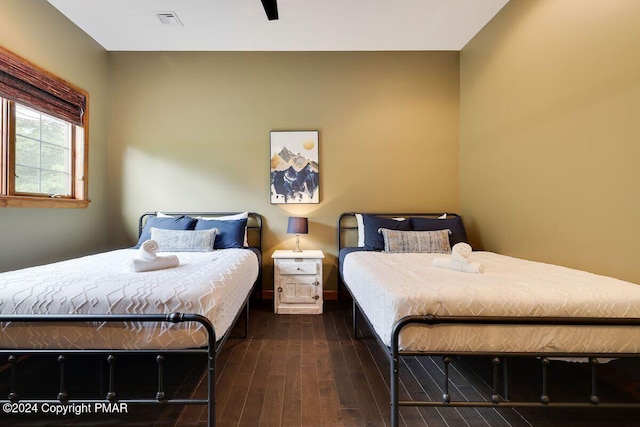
184 240
398 241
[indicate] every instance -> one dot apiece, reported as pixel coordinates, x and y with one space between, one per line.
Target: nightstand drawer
298 267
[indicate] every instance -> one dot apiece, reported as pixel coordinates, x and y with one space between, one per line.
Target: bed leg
246 319
211 364
354 319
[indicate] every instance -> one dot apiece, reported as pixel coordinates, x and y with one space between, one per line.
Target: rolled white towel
457 265
147 250
461 251
158 263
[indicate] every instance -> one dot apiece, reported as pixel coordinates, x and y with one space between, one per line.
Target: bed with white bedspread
513 308
133 302
389 287
214 284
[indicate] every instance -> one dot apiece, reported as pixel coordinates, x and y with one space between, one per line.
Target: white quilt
214 284
391 286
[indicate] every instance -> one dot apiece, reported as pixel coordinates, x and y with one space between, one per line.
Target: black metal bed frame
112 393
214 344
499 398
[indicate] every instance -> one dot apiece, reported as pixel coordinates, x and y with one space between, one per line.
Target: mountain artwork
294 167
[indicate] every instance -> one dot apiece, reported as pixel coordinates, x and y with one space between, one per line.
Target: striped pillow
184 240
397 241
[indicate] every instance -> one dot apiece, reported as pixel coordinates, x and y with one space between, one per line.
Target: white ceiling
242 25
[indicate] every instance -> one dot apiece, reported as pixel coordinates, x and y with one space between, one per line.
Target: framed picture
294 167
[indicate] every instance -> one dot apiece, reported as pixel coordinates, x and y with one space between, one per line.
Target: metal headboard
348 226
254 223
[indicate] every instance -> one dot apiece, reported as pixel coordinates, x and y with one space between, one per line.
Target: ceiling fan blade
271 8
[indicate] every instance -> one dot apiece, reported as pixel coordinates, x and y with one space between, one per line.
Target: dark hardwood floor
307 370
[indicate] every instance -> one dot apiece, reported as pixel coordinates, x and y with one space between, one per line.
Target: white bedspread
214 284
391 286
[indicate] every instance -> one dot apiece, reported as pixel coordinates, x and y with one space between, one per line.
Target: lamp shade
298 225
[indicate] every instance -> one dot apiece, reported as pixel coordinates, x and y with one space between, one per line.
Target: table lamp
298 225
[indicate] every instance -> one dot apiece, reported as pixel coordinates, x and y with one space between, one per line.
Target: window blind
27 84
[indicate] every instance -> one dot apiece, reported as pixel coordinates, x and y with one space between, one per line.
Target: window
43 138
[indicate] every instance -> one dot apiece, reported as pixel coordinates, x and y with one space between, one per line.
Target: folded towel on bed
147 250
147 260
461 251
456 265
459 260
158 263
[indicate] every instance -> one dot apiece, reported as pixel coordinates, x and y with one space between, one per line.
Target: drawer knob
279 288
299 269
316 297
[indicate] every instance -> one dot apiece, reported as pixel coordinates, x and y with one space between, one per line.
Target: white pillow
360 222
242 215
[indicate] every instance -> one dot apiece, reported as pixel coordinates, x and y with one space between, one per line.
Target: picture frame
295 168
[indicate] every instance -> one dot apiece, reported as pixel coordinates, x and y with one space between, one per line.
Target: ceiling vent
168 18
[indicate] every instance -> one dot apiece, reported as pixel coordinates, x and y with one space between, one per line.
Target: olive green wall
38 32
543 163
550 134
190 131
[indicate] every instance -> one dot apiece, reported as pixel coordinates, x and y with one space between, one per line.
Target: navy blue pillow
453 223
373 241
168 223
230 232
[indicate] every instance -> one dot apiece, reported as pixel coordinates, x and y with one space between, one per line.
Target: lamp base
297 248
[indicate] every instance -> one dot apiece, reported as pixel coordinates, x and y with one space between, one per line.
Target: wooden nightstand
297 282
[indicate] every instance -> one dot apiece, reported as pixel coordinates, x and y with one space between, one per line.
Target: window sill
41 202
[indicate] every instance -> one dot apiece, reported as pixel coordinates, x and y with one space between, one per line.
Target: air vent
168 18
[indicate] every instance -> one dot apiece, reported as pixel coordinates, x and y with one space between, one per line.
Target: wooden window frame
79 197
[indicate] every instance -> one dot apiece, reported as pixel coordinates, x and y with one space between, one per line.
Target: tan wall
550 134
39 33
190 131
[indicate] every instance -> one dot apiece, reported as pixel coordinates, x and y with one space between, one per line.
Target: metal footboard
112 396
501 398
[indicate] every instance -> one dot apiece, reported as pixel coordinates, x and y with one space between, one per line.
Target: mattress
388 287
213 284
